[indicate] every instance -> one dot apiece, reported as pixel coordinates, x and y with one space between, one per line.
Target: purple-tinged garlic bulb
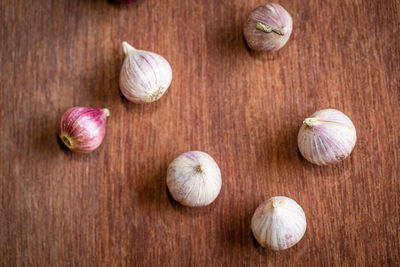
145 76
82 129
328 136
268 28
278 223
194 179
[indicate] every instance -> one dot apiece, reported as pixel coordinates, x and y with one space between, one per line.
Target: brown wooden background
111 208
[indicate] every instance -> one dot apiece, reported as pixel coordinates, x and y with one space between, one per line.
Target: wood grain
112 208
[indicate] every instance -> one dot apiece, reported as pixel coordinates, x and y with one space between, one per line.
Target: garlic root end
200 169
66 140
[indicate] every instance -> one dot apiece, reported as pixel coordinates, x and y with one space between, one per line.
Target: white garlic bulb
194 179
278 223
327 136
145 76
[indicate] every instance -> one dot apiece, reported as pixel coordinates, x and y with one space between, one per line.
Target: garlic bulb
194 179
82 129
327 136
145 76
278 223
268 28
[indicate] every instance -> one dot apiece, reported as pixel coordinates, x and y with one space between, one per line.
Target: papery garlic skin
278 223
145 76
82 129
268 28
328 136
194 179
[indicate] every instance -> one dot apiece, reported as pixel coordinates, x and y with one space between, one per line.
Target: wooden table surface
112 207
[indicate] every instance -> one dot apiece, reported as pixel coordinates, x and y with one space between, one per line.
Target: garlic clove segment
328 136
194 179
268 28
145 76
82 129
278 223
